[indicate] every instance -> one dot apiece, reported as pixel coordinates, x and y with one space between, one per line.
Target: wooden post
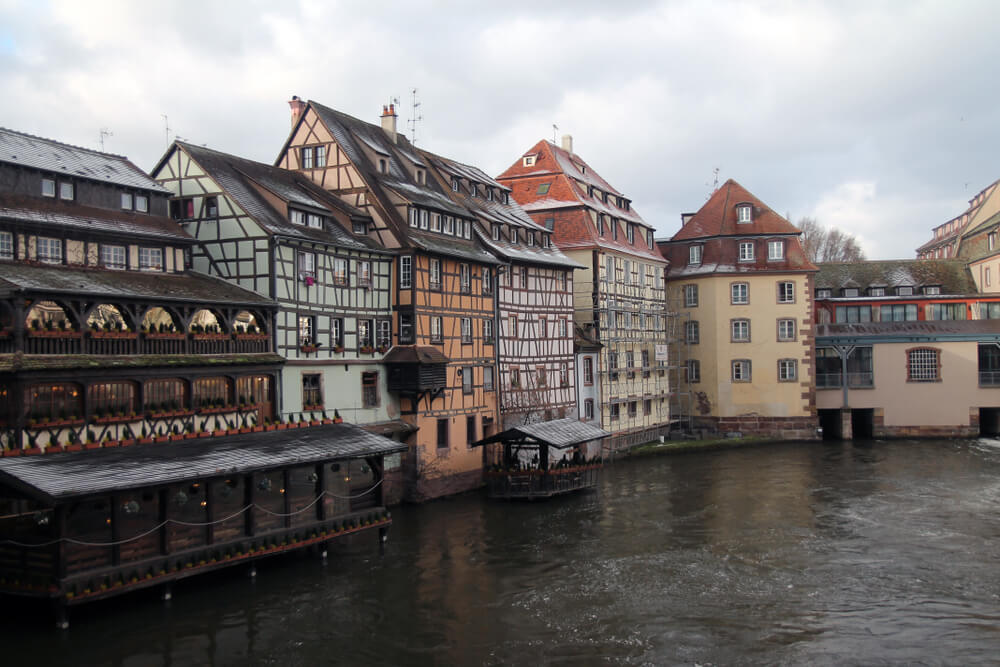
116 531
164 528
287 499
248 492
319 490
209 514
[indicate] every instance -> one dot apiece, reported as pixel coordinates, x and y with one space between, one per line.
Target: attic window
531 237
142 203
528 160
876 291
211 206
932 289
420 177
382 166
454 185
744 213
489 194
904 291
360 228
824 293
849 291
496 232
505 197
474 191
543 189
582 168
545 240
630 232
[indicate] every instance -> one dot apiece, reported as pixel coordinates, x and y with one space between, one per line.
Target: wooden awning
414 354
558 433
52 478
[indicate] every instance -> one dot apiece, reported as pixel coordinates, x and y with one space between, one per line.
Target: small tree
828 245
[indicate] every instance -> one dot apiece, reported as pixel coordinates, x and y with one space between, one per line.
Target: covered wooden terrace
81 526
543 459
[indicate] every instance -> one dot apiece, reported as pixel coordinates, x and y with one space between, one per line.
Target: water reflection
786 554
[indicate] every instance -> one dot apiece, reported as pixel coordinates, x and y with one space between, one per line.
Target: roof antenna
105 132
555 128
715 182
414 118
166 128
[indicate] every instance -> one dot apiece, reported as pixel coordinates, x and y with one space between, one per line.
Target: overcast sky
875 117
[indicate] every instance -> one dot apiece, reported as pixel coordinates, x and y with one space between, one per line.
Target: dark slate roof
47 213
57 477
54 156
18 277
951 274
913 331
18 361
559 433
414 354
447 245
240 177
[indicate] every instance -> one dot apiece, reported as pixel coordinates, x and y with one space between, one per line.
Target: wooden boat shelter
544 475
86 525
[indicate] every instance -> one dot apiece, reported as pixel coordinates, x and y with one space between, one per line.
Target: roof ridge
63 143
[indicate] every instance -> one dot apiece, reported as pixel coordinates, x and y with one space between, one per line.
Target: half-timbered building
443 291
619 295
277 233
534 330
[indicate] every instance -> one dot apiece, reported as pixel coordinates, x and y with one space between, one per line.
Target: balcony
125 343
857 380
989 378
540 483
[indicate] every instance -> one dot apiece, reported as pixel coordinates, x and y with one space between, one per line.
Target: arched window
47 402
211 391
164 395
111 398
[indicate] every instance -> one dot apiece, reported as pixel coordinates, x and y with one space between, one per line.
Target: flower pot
93 445
127 443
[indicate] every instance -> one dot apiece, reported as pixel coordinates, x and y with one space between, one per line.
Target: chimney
567 143
389 121
298 106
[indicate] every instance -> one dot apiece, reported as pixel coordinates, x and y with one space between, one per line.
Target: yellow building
742 288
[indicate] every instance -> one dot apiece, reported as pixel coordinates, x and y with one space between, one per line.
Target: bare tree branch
828 245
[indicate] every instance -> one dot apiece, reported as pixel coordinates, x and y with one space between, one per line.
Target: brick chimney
389 121
298 108
567 143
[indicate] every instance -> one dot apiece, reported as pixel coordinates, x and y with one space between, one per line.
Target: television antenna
415 117
166 128
105 132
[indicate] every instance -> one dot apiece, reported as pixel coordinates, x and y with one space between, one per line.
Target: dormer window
496 232
746 251
600 224
513 235
824 293
932 289
649 239
489 194
414 217
383 166
360 228
775 250
127 201
904 290
695 253
436 223
543 188
876 291
614 229
505 197
297 217
66 191
546 242
531 237
211 206
454 185
6 245
528 160
630 232
474 190
48 187
449 224
424 219
49 250
142 203
421 177
744 213
468 229
849 292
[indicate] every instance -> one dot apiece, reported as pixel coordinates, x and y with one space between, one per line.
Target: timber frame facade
534 330
275 232
443 290
619 294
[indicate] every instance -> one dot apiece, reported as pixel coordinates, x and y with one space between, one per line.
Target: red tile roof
718 216
561 186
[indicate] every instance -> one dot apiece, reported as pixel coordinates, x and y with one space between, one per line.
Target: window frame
747 251
736 299
919 370
406 272
786 291
783 323
434 274
739 330
745 372
113 265
695 254
690 296
773 245
788 370
52 244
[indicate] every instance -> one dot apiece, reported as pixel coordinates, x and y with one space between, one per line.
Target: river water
822 553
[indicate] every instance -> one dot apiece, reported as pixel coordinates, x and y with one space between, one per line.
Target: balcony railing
122 343
858 380
541 483
989 378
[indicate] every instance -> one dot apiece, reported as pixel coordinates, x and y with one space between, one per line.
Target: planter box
247 336
57 422
165 336
32 333
209 336
118 335
309 349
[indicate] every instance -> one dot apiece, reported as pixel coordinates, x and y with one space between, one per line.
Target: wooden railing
130 343
540 483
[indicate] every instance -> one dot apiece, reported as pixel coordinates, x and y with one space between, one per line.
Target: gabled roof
951 274
718 216
490 211
240 179
562 186
45 213
53 156
961 221
558 433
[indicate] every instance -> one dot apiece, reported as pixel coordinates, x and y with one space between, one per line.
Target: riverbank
657 448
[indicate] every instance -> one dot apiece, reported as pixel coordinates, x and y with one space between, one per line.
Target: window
523 270
321 156
690 296
530 237
337 332
182 209
627 271
904 291
436 222
741 370
563 328
468 230
775 250
922 365
588 410
691 332
369 390
365 273
739 294
495 232
907 312
588 370
383 166
127 201
630 233
339 271
515 377
786 329
474 189
932 289
744 213
312 390
454 185
488 331
466 375
314 221
7 245
424 219
49 250
111 397
365 334
435 274
466 330
633 409
307 264
563 281
824 293
488 378
853 314
613 365
297 217
645 363
405 272
787 370
465 278
406 334
563 374
647 407
849 292
543 328
436 334
989 365
383 334
876 291
487 280
694 254
986 276
359 227
944 311
740 331
614 411
307 157
48 187
113 256
307 329
649 239
693 370
157 393
470 430
449 225
528 160
513 333
414 217
442 433
786 292
66 191
543 188
746 251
